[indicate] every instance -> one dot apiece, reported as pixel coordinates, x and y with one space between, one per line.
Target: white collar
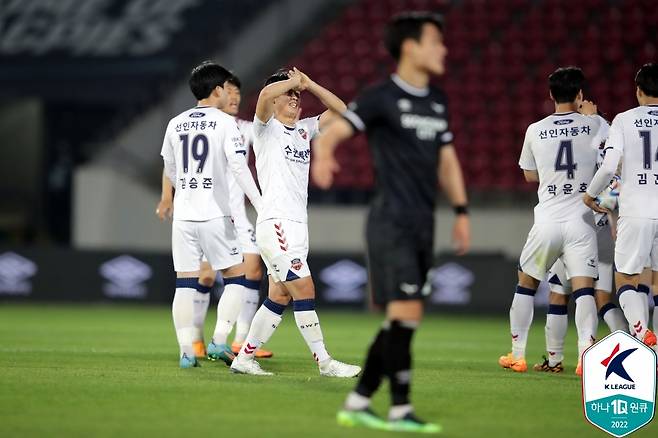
408 88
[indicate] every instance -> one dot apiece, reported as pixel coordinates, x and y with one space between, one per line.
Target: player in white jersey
283 150
199 147
634 136
559 152
246 237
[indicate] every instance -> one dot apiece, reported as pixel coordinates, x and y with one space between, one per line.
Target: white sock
587 319
228 310
645 292
399 411
249 308
555 331
309 326
182 310
356 402
520 318
267 319
201 304
632 304
614 318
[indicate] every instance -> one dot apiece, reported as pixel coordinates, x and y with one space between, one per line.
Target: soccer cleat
248 366
411 423
199 349
334 368
186 362
508 361
545 367
579 368
649 338
361 418
220 352
260 354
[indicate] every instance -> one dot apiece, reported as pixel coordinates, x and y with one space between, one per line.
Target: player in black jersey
406 122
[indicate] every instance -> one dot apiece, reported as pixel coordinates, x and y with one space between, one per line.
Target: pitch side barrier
478 283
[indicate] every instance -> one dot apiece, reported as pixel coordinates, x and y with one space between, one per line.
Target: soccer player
199 146
247 239
560 288
634 135
560 153
283 153
406 122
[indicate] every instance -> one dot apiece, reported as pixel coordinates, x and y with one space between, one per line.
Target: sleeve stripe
354 119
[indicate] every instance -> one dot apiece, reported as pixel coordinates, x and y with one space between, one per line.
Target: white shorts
246 234
214 239
557 277
284 248
574 242
637 245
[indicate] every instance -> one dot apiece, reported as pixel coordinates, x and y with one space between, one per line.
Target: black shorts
400 253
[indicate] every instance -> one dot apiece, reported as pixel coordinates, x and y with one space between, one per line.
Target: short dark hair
205 77
234 80
408 25
646 79
278 76
565 83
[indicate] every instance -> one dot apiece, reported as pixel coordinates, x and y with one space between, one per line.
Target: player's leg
633 248
253 274
608 311
219 243
540 252
201 304
187 257
265 322
586 317
302 291
644 287
557 322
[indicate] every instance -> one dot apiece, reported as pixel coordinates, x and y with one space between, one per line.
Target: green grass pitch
97 371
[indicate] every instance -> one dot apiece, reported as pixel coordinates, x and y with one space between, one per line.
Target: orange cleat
579 368
649 338
199 349
508 361
260 354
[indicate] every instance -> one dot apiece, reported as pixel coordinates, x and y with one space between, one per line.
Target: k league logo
619 384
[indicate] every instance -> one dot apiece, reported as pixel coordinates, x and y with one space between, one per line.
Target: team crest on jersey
437 107
296 264
404 105
197 115
303 133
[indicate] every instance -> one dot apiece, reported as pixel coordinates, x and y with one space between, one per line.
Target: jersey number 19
198 155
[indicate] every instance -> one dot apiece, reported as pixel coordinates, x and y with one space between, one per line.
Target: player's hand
296 77
165 209
588 108
305 81
322 171
461 234
591 203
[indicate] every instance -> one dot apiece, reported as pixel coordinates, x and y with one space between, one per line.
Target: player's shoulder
630 115
437 93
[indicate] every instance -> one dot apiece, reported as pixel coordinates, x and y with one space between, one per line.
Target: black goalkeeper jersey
406 126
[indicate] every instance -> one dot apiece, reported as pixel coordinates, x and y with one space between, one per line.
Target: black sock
373 370
398 361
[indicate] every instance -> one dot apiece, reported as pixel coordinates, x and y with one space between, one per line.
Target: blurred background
87 88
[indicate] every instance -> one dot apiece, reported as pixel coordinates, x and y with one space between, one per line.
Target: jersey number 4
564 160
199 151
646 142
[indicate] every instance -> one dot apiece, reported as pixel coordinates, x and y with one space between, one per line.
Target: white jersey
283 155
562 148
236 194
197 147
635 134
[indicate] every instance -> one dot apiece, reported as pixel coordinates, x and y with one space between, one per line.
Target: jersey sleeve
364 110
168 156
616 135
527 159
312 125
236 154
259 128
247 130
602 133
447 136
